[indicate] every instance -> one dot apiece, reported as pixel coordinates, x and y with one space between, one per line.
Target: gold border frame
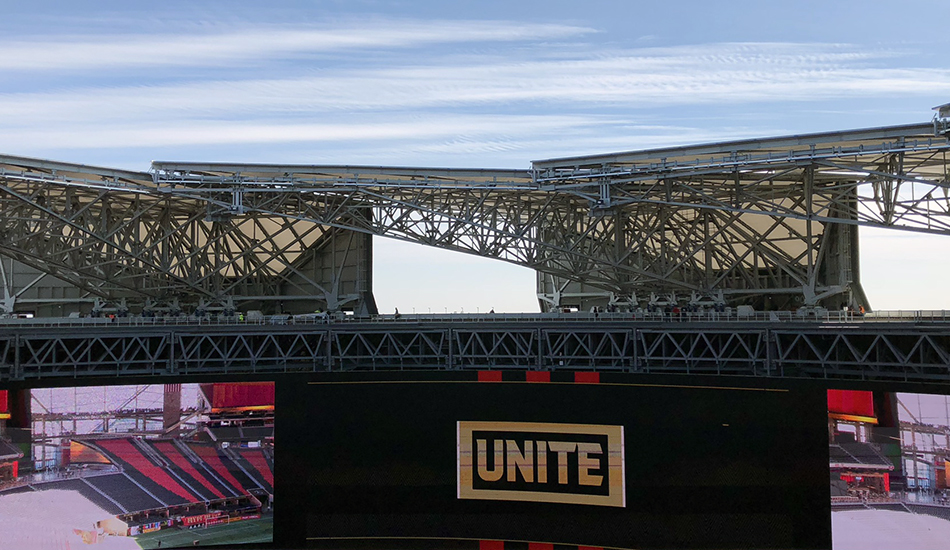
616 475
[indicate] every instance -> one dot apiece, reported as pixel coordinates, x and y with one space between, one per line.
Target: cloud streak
716 73
255 45
435 87
185 132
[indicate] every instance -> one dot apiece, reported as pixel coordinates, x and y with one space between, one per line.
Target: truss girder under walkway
860 351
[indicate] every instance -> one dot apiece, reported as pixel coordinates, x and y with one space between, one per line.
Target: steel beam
884 351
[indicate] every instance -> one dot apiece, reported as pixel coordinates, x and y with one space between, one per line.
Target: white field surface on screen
46 519
888 530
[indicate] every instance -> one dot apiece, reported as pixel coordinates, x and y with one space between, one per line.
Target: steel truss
862 351
771 221
774 216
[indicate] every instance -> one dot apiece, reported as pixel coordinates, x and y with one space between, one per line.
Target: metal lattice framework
774 215
771 220
884 351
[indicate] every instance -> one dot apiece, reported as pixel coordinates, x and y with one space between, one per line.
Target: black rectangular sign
541 462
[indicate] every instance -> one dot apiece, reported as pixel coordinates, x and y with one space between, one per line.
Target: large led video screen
484 460
138 466
609 461
888 459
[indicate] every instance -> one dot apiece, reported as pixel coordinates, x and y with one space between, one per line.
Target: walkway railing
819 316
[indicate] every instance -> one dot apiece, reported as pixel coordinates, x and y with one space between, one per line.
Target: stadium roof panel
11 163
222 167
212 175
778 145
215 172
302 171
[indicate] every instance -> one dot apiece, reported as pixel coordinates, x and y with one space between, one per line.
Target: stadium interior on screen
137 466
475 459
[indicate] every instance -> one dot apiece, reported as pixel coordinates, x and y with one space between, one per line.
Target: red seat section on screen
239 395
172 453
489 376
126 451
256 458
491 545
587 377
4 404
858 403
537 376
210 456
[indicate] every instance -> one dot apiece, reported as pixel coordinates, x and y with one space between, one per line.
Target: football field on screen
243 532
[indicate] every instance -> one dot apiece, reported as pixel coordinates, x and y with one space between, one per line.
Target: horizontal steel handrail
644 316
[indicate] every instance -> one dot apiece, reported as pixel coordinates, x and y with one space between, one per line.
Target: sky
469 84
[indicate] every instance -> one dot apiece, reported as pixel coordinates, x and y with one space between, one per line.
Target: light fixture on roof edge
942 119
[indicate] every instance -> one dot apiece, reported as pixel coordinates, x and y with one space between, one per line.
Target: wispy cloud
185 132
256 44
715 73
512 88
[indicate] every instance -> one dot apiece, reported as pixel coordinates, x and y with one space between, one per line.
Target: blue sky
470 84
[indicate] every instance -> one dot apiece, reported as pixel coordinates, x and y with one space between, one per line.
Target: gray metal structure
907 351
768 222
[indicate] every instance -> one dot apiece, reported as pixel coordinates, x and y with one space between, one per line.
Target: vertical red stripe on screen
489 376
537 376
491 545
587 377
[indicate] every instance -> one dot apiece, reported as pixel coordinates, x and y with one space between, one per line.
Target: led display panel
135 467
888 469
467 460
462 461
